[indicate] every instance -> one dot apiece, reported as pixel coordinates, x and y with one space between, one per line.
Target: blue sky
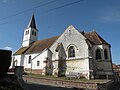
54 16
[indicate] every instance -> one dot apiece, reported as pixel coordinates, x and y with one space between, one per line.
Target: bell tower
30 33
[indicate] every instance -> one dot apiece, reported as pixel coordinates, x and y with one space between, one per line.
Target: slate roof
32 22
92 38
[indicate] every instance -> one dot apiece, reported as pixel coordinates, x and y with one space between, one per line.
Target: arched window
25 32
71 51
35 33
38 63
98 54
29 61
106 54
28 32
32 32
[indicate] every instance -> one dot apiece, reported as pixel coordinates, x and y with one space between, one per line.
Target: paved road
37 85
32 86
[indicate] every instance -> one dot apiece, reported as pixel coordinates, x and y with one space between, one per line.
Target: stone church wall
72 37
102 66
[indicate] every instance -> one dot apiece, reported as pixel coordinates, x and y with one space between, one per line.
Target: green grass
67 78
39 75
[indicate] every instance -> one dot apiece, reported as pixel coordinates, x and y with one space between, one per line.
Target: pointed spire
32 22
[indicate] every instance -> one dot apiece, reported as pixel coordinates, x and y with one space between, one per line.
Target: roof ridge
100 38
95 37
48 38
90 32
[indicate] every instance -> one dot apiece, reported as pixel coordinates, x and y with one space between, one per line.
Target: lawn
71 79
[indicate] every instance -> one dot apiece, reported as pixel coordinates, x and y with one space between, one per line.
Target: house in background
116 69
85 53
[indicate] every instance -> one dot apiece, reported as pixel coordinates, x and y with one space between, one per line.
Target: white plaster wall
79 63
77 66
72 37
27 39
36 57
18 59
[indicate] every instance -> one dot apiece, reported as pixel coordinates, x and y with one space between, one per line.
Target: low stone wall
69 83
35 71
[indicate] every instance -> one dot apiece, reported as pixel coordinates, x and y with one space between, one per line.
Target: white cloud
111 16
8 48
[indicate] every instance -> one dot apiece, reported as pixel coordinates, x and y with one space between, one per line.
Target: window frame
38 63
29 59
71 52
98 54
25 32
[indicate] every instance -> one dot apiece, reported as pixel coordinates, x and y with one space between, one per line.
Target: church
85 53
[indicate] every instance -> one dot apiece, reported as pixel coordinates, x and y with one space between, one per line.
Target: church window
28 32
32 32
106 54
71 52
29 61
98 54
35 33
38 63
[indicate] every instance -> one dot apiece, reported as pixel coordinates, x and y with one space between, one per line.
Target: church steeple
31 33
32 23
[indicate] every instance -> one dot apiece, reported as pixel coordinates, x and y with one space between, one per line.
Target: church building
85 53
